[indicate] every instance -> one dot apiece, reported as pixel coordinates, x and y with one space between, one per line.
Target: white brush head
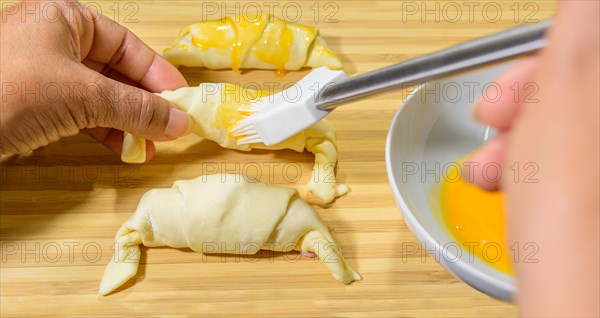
278 117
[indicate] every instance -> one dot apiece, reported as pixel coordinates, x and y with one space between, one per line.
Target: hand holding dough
260 42
222 213
214 111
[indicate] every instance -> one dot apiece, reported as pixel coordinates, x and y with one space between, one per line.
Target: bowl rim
487 284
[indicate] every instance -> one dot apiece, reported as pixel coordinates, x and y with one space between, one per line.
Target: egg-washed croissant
214 111
223 213
261 42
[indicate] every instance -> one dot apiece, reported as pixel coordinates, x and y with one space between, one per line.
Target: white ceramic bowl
430 131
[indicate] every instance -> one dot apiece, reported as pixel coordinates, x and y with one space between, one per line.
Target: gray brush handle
481 51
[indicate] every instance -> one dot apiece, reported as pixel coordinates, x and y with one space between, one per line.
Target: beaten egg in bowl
433 129
475 219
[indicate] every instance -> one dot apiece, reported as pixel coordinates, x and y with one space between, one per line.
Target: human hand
70 69
558 134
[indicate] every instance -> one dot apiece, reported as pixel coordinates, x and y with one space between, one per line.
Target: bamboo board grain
61 205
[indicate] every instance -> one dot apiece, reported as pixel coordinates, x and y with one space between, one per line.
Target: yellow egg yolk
475 218
227 114
232 97
274 46
271 42
247 32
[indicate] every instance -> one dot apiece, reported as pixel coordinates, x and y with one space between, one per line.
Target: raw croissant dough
222 213
213 108
261 42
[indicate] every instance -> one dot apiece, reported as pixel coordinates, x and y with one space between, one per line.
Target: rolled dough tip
105 290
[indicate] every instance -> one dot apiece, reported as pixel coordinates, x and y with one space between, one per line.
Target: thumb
112 104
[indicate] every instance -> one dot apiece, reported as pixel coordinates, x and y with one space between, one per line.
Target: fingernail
178 123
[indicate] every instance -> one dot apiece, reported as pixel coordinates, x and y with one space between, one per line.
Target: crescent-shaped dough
222 213
260 42
214 111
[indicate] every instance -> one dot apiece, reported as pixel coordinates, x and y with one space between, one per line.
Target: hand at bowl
548 147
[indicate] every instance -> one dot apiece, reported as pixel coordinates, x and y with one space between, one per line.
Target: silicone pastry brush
277 117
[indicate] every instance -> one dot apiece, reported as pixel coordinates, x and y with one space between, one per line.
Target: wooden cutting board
61 205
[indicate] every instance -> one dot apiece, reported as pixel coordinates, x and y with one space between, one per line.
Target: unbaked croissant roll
261 42
215 109
222 213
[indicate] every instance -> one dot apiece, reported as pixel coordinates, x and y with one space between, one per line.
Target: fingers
108 103
515 87
113 140
115 52
116 47
109 72
484 167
